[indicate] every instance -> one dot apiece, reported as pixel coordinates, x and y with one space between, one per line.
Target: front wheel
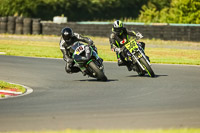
147 67
99 74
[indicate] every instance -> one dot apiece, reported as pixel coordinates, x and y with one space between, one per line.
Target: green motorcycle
92 64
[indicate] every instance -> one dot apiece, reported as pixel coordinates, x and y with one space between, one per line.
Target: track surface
127 101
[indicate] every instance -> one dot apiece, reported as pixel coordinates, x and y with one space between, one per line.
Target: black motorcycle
135 55
93 65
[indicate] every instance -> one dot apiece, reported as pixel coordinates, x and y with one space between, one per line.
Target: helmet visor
67 36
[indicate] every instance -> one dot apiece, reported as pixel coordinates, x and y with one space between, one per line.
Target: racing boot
134 68
120 62
83 69
129 66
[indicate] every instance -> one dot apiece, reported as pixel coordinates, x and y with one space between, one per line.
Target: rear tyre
99 74
147 67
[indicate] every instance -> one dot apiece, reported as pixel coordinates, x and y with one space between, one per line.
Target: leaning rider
118 38
68 38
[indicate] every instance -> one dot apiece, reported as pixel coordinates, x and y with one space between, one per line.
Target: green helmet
118 26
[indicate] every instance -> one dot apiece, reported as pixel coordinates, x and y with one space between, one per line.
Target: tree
18 7
184 11
75 10
179 11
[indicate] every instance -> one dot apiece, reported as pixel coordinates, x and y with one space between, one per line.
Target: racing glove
116 49
139 35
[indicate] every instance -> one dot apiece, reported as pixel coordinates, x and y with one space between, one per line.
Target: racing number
79 49
130 46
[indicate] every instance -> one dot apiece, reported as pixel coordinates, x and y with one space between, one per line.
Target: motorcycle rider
118 38
68 38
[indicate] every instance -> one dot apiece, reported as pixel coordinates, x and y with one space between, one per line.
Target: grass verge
165 52
117 131
8 86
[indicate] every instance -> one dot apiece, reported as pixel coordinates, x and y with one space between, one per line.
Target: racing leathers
66 48
118 40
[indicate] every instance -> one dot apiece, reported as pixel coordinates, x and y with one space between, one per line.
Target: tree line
171 11
75 10
164 11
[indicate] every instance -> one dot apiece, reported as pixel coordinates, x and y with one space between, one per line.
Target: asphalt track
126 101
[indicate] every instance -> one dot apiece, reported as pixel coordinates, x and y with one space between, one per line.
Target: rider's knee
142 44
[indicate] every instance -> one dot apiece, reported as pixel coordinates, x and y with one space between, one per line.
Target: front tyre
98 73
147 67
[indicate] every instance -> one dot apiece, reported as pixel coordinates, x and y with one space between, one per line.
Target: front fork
141 54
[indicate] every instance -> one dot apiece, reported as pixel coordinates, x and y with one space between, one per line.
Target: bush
179 11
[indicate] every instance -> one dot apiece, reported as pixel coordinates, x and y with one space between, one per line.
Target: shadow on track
147 76
95 80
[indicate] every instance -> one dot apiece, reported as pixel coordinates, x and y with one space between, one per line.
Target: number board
131 46
79 50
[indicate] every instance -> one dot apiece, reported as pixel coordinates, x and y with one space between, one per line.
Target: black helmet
67 33
118 26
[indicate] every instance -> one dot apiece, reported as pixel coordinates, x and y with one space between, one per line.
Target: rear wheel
99 74
147 67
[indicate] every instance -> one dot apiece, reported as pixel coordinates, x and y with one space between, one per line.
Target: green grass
159 51
174 56
117 131
30 50
7 86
